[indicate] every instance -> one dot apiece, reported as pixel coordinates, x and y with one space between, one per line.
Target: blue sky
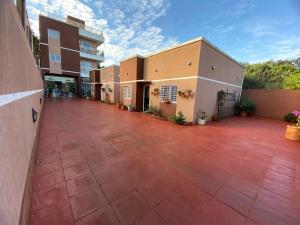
248 30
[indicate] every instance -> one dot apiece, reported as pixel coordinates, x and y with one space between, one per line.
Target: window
85 45
53 34
168 92
55 58
85 67
126 92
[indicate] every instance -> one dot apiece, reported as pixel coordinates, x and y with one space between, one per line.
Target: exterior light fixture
34 115
155 70
213 67
189 63
237 77
126 73
41 100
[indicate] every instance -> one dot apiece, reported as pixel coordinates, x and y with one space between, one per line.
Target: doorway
59 86
146 98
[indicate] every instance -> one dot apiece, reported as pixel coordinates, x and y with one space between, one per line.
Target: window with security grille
168 93
126 92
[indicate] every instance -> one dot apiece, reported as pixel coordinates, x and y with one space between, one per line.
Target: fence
273 103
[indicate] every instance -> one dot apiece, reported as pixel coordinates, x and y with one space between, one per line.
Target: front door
146 98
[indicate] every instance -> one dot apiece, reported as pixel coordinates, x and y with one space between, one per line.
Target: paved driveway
100 165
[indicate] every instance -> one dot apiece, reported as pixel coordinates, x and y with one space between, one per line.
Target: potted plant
119 105
124 107
245 107
180 119
293 131
202 119
130 108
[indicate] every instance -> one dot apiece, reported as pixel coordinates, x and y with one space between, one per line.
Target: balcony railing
98 56
63 19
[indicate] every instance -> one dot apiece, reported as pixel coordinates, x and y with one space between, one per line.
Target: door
146 98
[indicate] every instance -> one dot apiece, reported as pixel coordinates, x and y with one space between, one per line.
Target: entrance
60 86
146 98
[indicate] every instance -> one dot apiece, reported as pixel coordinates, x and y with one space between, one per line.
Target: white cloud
127 25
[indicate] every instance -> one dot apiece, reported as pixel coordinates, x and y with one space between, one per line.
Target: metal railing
63 19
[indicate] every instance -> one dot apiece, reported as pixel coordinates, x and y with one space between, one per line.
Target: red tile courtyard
100 165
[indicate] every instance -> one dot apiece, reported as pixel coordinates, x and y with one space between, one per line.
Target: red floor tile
87 202
81 184
151 218
57 214
46 168
106 174
130 208
49 196
220 214
48 180
235 200
72 161
116 188
76 171
104 216
144 164
176 213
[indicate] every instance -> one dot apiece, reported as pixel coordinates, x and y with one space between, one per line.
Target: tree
270 74
36 48
292 82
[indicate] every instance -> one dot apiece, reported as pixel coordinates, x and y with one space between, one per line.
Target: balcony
93 54
92 34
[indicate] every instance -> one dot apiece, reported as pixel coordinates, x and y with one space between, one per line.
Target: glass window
85 67
86 45
53 34
53 57
126 92
168 93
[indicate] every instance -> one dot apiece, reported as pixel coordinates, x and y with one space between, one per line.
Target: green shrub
292 82
245 105
290 117
180 119
153 110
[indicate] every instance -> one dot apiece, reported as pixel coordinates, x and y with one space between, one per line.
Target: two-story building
68 50
186 78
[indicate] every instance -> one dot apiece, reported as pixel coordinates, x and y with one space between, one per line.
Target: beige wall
274 103
226 69
54 48
18 73
182 104
110 78
173 63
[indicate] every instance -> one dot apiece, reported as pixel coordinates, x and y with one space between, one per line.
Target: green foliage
292 82
290 117
36 48
153 110
245 105
180 119
270 74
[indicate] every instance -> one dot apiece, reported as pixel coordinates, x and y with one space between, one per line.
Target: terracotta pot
292 133
243 114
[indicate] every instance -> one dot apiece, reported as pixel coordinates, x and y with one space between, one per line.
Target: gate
226 104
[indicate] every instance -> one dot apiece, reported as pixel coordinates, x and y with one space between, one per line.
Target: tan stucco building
105 84
186 78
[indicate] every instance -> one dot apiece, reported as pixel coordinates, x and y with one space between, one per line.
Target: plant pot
201 122
292 133
129 108
215 118
243 114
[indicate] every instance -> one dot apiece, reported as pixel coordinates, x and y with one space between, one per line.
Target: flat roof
182 44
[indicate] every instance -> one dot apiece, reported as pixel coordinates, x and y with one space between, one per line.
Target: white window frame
54 57
53 34
126 93
170 95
